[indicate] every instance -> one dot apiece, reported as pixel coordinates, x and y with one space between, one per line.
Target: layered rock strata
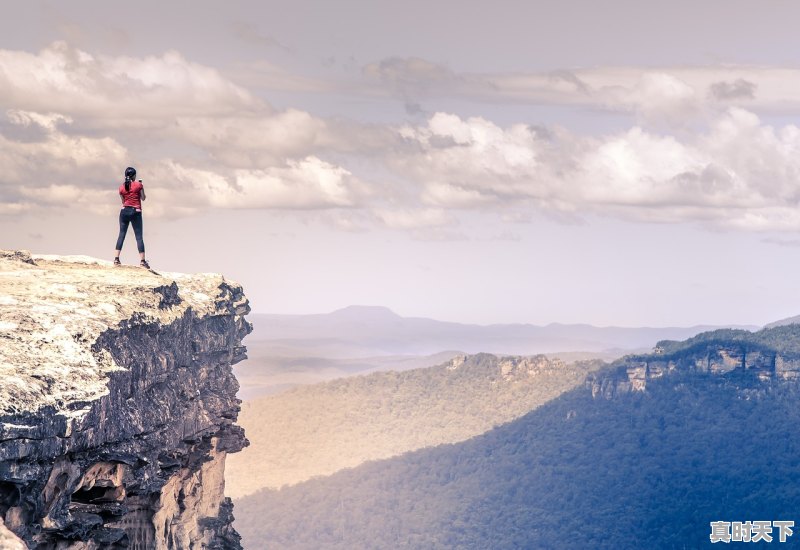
117 404
741 357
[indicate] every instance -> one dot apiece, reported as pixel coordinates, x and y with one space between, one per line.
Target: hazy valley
317 430
645 454
407 447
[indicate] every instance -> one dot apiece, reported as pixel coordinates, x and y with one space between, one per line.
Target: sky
619 163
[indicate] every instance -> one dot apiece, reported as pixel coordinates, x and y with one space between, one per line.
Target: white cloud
15 208
658 97
740 173
309 183
88 116
635 168
454 196
66 80
46 121
164 99
252 141
201 142
654 93
37 170
470 160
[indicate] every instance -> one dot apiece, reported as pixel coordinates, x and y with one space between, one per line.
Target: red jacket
132 197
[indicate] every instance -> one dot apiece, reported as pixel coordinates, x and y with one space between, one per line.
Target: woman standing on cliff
132 194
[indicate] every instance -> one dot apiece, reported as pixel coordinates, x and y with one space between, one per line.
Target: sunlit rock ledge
117 403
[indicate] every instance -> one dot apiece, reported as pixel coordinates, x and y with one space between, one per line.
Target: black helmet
130 173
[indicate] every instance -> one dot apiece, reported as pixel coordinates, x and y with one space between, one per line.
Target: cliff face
117 404
771 355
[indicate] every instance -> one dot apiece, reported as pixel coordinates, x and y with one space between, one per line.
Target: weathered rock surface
771 355
117 404
8 540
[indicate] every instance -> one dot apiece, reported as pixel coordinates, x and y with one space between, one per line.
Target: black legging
129 215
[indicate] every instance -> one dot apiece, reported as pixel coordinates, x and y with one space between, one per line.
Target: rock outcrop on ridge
771 355
117 404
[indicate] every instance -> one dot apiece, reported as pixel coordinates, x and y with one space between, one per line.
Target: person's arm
121 198
141 193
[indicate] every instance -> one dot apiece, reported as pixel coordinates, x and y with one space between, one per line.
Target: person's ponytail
130 174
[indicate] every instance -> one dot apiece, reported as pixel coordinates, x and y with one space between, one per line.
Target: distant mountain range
289 350
646 454
373 331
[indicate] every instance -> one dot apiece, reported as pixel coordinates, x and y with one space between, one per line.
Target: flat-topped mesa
117 404
769 355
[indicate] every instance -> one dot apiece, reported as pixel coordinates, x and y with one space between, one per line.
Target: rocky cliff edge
117 404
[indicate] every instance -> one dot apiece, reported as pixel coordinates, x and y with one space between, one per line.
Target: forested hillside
783 338
646 469
320 429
